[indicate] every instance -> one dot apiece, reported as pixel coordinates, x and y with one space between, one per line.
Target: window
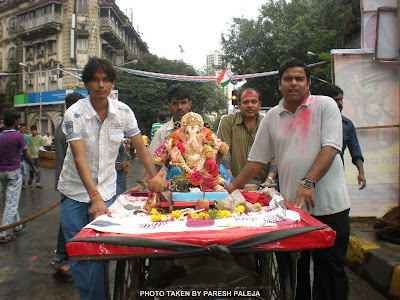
82 43
1 31
1 61
11 53
52 47
11 25
82 6
29 53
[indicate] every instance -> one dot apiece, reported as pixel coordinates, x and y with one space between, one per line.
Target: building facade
44 36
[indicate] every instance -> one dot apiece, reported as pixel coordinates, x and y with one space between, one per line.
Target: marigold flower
240 209
257 204
223 214
175 135
194 215
154 211
176 214
158 218
204 215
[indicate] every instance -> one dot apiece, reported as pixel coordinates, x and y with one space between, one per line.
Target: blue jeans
24 168
121 183
12 183
88 276
35 163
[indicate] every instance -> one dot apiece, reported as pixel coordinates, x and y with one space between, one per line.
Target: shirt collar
91 112
307 102
239 118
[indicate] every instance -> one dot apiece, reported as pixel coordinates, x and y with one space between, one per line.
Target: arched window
11 53
1 61
11 25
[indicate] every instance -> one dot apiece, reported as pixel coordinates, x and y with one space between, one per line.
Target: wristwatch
308 183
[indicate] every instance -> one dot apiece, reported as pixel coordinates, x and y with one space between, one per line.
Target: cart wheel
276 276
129 277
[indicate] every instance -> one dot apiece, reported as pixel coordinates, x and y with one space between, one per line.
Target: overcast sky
195 25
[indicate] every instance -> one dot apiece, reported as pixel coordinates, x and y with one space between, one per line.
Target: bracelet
94 193
270 178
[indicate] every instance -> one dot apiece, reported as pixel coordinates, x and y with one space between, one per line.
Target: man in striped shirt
238 131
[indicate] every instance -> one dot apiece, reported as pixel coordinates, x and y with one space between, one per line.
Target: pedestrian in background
24 164
60 260
36 143
48 141
11 143
350 139
162 119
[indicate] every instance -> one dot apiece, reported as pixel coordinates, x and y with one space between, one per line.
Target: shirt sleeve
72 125
353 145
225 134
131 125
331 131
262 150
156 142
21 142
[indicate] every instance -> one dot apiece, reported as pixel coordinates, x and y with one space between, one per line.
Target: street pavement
24 264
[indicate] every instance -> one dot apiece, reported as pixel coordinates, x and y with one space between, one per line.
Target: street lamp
40 99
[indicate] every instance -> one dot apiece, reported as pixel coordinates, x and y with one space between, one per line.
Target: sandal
7 238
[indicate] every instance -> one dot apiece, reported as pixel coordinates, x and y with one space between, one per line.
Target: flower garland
157 216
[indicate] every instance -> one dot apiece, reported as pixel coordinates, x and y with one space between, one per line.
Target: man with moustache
304 133
179 104
238 131
350 139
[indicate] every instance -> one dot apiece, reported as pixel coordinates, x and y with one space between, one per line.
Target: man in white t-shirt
94 128
304 133
179 104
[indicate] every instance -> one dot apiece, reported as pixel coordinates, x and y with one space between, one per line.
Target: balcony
46 21
110 32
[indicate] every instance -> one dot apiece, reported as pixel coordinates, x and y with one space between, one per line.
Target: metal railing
40 21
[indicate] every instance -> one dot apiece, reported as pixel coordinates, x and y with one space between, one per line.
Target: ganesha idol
189 152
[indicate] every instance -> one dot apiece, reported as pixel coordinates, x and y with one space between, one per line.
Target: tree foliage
148 96
11 86
290 29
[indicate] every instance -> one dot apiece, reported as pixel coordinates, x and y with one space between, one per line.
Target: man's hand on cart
98 207
304 195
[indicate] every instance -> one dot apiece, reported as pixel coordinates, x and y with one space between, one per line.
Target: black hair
331 90
72 98
33 127
95 64
178 91
162 116
9 117
22 125
250 90
291 63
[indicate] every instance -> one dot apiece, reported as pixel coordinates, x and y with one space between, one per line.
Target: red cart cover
321 238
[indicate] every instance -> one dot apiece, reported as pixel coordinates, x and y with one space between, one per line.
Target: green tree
11 86
148 96
285 30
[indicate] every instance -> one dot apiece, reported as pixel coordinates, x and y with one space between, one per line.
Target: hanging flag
225 76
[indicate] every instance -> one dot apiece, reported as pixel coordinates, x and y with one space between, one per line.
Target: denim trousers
24 168
11 182
88 276
121 183
35 163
